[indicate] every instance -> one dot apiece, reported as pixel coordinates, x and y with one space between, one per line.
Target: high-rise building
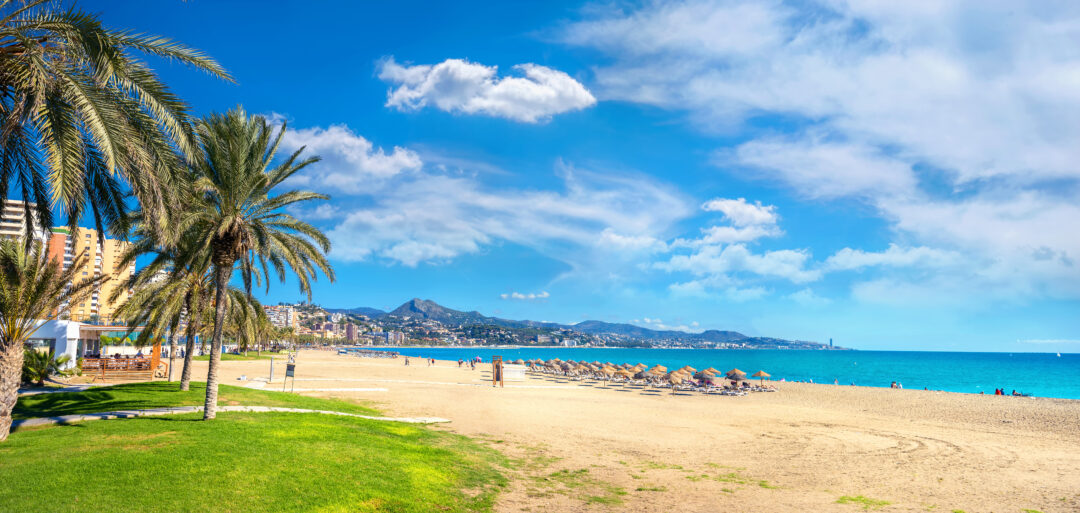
102 258
350 332
13 220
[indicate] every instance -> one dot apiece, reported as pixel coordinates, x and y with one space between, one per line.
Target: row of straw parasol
642 371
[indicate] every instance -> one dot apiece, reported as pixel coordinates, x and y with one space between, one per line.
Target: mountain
427 309
417 308
360 310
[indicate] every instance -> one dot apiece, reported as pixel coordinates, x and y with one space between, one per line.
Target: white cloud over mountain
396 209
531 296
457 85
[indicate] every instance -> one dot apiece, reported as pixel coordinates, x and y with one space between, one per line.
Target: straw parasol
712 371
659 369
736 375
761 375
689 369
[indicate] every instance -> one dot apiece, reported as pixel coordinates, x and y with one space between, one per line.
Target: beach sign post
497 371
290 372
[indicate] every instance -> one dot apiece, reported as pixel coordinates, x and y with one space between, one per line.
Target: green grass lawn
257 462
229 357
158 394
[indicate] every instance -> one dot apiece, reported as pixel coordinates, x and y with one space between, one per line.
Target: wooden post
155 359
497 371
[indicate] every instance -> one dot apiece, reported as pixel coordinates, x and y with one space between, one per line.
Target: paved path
70 388
127 414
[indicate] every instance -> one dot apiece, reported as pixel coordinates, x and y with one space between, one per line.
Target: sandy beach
583 446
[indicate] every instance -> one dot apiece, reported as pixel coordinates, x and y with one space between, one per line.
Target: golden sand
583 446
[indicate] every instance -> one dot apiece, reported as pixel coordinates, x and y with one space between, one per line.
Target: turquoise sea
1038 374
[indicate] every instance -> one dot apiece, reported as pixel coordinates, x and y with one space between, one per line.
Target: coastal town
425 323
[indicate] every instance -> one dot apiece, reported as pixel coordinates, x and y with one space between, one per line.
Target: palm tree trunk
221 281
189 345
11 362
172 350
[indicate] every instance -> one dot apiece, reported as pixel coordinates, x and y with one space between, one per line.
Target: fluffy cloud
718 260
895 256
741 213
532 296
350 163
807 297
457 85
610 238
818 168
658 324
748 222
955 121
435 218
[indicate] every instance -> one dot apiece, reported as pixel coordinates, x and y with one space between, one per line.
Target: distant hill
631 330
417 308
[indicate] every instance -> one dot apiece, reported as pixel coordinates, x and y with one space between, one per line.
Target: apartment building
103 257
13 221
282 316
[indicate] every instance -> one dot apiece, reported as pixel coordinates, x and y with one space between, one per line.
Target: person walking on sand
406 361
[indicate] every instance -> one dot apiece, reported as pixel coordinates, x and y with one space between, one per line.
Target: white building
13 221
62 337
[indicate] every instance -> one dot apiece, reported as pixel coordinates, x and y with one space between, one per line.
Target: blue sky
888 175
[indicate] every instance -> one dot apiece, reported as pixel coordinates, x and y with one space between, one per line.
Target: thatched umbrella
607 372
658 370
712 371
641 366
736 375
674 378
736 371
689 369
761 375
519 361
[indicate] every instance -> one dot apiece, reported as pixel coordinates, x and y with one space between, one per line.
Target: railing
119 368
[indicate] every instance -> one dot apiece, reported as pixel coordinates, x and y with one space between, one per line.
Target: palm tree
39 365
162 303
81 115
32 289
240 225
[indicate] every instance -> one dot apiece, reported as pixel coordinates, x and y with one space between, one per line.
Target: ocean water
1038 374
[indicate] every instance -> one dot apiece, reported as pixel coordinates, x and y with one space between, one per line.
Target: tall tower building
13 220
102 259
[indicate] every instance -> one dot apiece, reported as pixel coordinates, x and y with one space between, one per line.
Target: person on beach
406 361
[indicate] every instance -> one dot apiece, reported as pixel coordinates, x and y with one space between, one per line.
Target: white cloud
741 213
822 169
956 121
457 85
717 287
657 324
610 238
350 163
749 222
807 297
895 256
532 296
435 218
736 258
